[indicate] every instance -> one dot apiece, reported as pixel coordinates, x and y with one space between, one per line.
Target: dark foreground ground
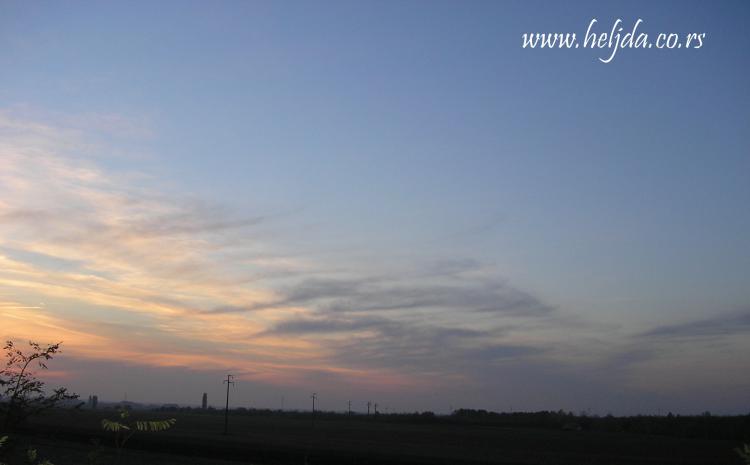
65 437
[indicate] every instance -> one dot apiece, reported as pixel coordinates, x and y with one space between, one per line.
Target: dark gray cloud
494 352
379 294
409 346
515 301
315 289
424 348
721 325
380 322
328 325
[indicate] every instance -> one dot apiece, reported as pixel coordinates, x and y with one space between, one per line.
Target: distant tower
94 401
204 404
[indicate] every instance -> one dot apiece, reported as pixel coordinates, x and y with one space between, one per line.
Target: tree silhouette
21 393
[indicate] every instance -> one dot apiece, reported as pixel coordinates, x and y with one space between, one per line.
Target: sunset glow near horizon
389 202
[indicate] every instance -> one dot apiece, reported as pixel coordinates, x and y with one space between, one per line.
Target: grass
197 438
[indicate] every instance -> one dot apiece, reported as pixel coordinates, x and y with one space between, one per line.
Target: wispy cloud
170 281
124 270
97 245
379 293
720 325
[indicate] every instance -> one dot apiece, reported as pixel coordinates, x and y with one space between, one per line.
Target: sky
378 201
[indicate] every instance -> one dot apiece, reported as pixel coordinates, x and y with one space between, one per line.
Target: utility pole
228 381
313 397
368 407
349 411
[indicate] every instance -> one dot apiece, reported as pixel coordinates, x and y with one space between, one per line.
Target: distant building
204 404
94 401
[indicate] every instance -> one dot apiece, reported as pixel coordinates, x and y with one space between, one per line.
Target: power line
228 381
313 397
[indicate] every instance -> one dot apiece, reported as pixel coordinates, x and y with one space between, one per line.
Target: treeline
704 426
417 417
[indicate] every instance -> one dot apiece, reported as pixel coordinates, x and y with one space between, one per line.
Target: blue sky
395 194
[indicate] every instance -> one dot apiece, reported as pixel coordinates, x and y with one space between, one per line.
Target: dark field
65 437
